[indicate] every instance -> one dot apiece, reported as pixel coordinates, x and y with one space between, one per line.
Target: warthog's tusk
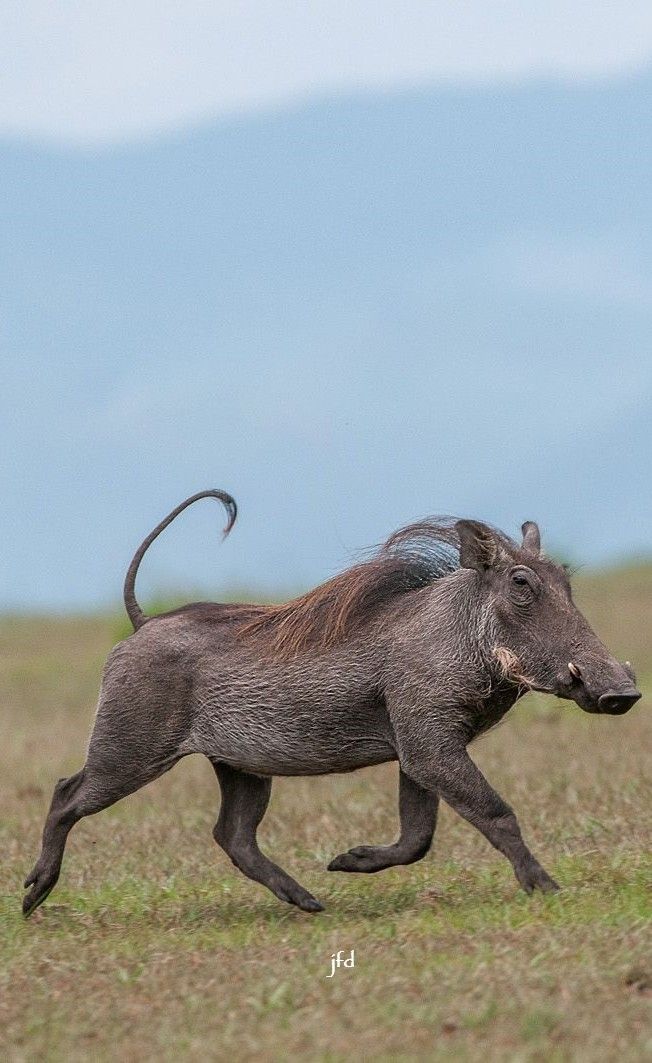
574 670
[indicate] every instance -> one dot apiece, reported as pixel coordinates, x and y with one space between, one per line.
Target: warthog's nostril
616 704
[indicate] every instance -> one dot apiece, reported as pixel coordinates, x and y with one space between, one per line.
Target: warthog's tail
136 615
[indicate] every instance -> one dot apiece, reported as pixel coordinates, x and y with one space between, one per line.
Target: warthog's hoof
344 862
42 885
370 858
364 858
536 878
311 905
305 902
293 893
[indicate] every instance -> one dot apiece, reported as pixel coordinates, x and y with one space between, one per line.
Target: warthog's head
540 637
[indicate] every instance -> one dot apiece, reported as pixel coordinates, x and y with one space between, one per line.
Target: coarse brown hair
413 557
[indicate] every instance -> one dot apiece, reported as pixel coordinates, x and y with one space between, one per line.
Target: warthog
407 656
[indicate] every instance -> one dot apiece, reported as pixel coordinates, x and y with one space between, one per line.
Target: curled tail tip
230 522
231 507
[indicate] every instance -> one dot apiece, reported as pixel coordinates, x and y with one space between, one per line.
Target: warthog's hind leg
61 819
244 802
418 814
83 794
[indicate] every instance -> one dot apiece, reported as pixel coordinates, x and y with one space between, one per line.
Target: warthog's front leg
418 815
450 771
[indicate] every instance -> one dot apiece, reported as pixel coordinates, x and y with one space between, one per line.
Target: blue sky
396 266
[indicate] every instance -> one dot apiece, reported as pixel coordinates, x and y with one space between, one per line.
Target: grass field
154 947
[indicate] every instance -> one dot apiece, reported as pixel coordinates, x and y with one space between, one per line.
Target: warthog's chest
490 712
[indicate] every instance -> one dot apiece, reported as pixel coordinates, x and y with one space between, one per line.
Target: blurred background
355 263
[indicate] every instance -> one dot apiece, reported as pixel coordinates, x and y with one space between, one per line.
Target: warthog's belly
289 725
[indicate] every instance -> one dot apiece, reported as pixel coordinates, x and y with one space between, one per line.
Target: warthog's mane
413 557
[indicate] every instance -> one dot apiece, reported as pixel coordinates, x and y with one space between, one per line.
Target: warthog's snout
589 691
618 702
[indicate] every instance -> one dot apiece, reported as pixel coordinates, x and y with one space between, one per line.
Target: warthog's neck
441 640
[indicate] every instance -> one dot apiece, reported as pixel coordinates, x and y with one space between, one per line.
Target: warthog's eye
523 585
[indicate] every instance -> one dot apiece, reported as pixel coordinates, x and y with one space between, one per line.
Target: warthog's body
409 656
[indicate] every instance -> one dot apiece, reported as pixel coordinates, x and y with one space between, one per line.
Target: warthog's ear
478 545
531 537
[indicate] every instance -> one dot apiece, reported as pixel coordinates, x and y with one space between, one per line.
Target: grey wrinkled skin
415 680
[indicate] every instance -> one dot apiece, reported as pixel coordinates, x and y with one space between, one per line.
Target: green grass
154 947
